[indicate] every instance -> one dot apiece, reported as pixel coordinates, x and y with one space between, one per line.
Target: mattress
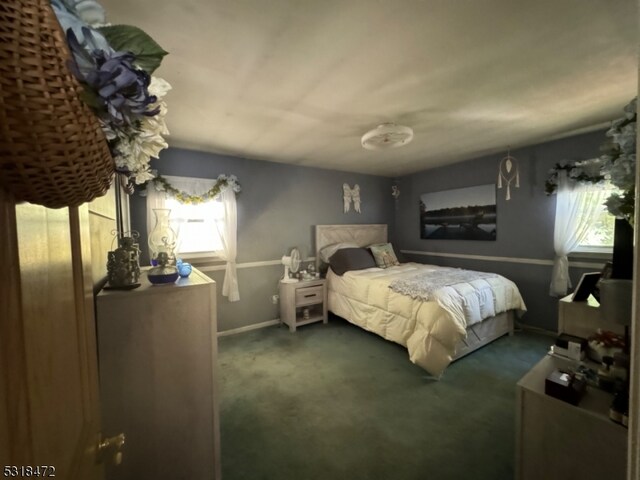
430 330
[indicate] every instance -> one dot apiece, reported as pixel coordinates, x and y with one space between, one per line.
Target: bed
449 323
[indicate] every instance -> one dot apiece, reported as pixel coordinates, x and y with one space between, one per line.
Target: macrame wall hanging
351 195
508 172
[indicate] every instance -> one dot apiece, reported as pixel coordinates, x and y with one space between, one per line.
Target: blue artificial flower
121 89
69 20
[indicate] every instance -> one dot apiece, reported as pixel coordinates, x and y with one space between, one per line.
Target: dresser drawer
309 295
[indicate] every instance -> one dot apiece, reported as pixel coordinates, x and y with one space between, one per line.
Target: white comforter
429 330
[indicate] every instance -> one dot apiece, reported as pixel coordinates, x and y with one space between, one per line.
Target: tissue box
564 386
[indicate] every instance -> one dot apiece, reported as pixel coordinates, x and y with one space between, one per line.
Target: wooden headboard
361 235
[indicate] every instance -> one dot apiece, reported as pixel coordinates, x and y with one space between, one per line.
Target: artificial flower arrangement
617 165
115 63
223 182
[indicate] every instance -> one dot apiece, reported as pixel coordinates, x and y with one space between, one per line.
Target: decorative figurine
123 266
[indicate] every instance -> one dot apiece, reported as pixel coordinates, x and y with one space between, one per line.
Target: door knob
111 446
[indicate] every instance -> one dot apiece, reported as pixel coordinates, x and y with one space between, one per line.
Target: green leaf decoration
126 38
91 98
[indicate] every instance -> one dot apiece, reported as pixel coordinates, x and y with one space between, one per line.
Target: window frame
202 256
597 251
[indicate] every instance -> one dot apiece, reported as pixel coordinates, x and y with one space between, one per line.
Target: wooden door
49 409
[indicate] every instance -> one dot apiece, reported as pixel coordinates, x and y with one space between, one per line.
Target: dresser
556 440
157 348
582 319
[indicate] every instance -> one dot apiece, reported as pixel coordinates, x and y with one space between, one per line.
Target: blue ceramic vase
184 269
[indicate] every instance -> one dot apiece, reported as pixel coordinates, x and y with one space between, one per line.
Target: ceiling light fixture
387 135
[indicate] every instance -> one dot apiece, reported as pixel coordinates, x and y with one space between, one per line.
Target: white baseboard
248 328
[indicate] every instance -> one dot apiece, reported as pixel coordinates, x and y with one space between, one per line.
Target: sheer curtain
577 207
226 229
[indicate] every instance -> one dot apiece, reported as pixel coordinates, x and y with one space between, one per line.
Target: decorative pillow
384 255
327 252
347 259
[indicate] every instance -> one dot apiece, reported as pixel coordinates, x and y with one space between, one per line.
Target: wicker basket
52 149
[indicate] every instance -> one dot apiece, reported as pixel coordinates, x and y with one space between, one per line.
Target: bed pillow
384 255
327 252
347 259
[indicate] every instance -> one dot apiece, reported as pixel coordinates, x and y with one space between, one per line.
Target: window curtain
227 229
577 206
228 232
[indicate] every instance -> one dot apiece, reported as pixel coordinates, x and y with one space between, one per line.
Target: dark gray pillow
347 259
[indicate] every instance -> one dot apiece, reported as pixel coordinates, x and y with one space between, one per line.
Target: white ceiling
300 81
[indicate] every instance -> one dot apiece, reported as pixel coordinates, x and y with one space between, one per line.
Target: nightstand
303 302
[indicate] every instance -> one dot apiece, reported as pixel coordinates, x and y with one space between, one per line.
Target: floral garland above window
223 182
617 165
114 64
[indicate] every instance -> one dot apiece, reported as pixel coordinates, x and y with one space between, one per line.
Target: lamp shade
615 300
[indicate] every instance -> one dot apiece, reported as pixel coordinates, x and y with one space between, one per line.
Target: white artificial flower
614 204
159 87
157 123
622 173
109 132
142 176
138 153
615 126
147 144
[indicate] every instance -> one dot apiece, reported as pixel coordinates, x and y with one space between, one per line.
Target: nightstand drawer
309 295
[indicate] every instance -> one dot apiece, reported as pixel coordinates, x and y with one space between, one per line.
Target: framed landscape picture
461 214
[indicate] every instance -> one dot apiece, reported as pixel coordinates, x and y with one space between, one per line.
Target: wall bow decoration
351 195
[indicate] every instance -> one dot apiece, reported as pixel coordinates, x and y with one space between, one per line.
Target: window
599 239
196 227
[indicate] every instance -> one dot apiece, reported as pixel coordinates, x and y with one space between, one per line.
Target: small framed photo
586 286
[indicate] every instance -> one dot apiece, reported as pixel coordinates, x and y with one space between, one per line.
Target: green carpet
334 402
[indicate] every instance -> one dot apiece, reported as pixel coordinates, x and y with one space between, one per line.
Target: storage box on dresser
298 296
157 354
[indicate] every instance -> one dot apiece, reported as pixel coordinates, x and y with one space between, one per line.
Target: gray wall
280 204
277 210
525 223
